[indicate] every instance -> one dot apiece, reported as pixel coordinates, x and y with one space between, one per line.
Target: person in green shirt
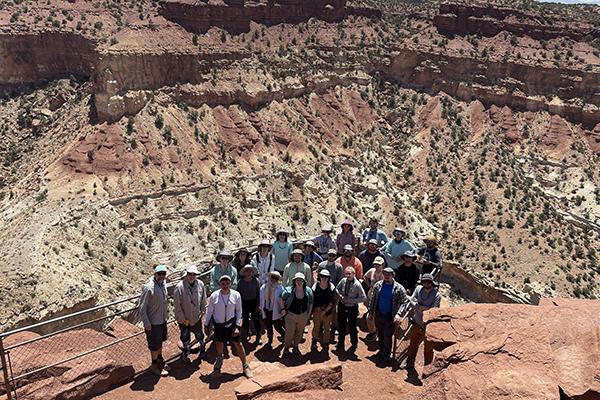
296 265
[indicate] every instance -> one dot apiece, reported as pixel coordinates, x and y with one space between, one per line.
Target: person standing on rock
351 295
408 274
430 258
190 305
240 260
387 297
311 257
223 267
271 306
348 260
323 303
425 297
298 301
372 276
394 249
367 256
282 250
249 288
336 271
296 265
263 261
224 312
153 311
345 237
325 242
374 233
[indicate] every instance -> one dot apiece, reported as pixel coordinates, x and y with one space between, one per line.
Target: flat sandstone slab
292 379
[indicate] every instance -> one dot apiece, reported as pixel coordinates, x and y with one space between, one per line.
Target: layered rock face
574 94
548 351
489 21
235 16
34 57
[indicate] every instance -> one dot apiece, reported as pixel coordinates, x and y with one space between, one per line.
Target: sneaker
218 364
247 371
296 350
155 369
371 337
352 348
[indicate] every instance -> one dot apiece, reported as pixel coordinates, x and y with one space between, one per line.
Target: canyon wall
235 16
573 94
458 19
35 57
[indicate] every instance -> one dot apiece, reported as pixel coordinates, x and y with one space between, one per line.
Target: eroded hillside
132 137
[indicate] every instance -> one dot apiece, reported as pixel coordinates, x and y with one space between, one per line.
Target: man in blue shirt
373 232
387 298
311 257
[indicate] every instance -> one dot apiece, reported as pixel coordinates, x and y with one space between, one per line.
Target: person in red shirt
348 260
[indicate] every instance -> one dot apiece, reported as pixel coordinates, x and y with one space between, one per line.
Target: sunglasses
331 255
161 273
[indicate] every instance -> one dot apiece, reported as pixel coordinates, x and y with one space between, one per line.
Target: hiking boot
407 365
155 369
286 352
296 350
247 371
325 348
371 337
185 359
313 346
340 346
218 364
352 348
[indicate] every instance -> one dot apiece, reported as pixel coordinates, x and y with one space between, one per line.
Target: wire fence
105 343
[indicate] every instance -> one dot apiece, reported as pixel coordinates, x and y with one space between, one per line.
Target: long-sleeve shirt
351 262
189 301
153 304
324 243
217 272
282 252
432 260
292 269
393 250
263 265
408 276
367 258
271 303
428 300
249 290
343 239
352 291
376 234
398 298
224 307
312 257
335 270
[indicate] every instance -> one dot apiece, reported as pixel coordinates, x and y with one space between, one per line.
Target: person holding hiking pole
425 297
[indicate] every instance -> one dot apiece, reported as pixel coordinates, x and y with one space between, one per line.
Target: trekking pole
395 336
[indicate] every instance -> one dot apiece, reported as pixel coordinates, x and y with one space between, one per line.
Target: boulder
291 379
508 351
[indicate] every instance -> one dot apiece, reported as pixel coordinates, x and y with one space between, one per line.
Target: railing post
5 370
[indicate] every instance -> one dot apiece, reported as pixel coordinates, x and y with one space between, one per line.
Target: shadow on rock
144 382
215 379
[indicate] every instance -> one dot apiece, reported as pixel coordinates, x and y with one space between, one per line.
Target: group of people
280 288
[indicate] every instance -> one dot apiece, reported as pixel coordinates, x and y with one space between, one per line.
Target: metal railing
29 357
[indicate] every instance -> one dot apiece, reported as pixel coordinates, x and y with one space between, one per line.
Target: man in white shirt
225 313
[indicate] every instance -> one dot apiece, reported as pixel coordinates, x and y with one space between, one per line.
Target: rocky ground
131 136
